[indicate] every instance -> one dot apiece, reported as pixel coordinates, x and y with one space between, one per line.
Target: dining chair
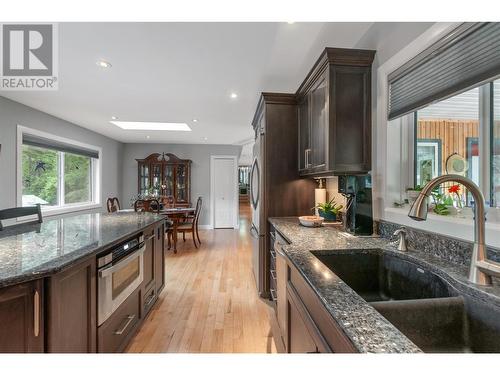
113 204
192 226
11 213
147 205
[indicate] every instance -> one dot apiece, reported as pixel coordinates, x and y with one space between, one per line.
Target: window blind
32 140
466 57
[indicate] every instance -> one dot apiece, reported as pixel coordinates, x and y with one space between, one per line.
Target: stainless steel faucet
481 269
401 232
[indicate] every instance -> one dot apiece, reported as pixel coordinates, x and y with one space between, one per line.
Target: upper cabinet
165 178
334 103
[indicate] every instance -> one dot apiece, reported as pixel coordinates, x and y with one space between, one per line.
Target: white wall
200 172
13 114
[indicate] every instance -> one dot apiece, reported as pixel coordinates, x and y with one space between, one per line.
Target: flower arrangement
455 190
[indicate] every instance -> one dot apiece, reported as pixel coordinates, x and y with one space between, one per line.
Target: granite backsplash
445 247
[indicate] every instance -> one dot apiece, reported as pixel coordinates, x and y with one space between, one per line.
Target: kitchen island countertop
33 251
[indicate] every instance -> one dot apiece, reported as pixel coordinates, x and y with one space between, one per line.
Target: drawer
114 333
148 300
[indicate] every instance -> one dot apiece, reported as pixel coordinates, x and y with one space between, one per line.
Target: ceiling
177 72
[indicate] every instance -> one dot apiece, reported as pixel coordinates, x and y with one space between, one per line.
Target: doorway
224 191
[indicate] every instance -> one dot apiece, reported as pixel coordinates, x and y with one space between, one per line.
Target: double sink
421 304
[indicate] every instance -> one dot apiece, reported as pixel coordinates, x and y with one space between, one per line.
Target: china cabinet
165 176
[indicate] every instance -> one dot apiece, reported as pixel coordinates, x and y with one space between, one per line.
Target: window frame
95 176
485 119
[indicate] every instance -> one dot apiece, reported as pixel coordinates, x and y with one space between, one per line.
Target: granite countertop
32 251
368 330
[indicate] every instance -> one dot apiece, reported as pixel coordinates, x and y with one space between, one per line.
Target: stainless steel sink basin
422 305
376 276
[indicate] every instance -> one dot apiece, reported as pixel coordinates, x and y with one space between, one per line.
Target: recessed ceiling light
114 118
234 95
205 138
103 64
147 137
195 120
142 125
290 22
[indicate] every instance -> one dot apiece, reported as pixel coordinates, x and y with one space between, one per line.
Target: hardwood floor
210 302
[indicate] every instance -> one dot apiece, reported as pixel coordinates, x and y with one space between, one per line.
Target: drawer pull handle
36 313
127 323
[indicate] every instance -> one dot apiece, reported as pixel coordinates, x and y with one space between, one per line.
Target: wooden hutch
165 177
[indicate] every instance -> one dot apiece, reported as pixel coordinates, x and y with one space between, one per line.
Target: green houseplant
329 210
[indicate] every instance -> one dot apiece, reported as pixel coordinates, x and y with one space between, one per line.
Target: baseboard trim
205 227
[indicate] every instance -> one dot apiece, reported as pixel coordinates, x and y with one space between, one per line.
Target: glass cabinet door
156 180
143 178
168 181
181 184
319 123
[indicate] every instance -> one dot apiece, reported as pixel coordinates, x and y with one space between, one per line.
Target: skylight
141 125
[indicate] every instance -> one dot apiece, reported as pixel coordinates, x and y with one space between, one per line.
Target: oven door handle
121 263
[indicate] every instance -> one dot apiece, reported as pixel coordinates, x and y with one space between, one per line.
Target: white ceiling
176 72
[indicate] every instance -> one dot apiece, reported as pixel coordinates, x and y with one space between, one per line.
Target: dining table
176 214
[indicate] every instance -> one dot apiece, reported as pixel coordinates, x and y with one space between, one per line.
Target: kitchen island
49 281
315 306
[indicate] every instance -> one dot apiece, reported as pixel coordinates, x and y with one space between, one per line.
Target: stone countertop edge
367 329
11 237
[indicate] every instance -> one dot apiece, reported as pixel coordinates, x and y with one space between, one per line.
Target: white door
224 192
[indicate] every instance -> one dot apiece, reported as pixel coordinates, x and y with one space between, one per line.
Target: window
495 145
450 135
58 174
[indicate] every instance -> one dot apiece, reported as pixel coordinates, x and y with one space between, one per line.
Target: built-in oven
120 273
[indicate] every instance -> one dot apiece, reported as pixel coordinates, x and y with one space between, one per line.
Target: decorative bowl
311 221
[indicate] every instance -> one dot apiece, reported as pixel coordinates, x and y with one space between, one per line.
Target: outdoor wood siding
452 133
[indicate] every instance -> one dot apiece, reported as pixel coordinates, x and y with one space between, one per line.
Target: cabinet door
319 124
21 318
168 180
149 269
71 314
299 339
281 280
143 178
350 138
156 178
159 258
181 194
304 135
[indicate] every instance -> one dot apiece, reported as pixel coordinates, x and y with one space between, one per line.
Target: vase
459 205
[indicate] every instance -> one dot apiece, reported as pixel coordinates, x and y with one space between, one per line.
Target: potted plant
442 203
329 210
412 193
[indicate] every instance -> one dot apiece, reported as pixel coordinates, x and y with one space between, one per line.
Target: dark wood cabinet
168 178
154 267
22 318
335 114
148 291
282 191
118 329
299 340
301 323
159 258
71 309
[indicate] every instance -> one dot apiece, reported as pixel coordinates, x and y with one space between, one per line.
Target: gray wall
13 114
200 173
